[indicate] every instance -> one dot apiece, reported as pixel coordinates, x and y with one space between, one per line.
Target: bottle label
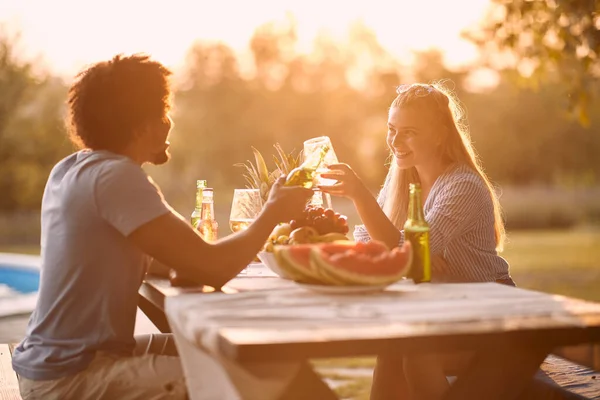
420 268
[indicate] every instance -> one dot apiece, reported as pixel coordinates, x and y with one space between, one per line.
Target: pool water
19 283
23 280
19 272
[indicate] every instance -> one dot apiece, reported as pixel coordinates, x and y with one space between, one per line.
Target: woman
429 144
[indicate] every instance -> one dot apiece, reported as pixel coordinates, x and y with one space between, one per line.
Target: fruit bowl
268 258
340 263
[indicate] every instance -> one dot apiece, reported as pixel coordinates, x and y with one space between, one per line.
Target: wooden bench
561 379
9 383
558 379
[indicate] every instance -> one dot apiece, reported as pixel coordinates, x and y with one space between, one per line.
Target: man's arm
174 243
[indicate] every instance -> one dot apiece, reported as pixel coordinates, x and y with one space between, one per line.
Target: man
103 220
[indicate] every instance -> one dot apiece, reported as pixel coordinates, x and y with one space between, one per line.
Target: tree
32 135
548 40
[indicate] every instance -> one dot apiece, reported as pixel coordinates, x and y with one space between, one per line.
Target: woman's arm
377 223
351 186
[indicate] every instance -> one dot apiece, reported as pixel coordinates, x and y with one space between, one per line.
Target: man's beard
161 158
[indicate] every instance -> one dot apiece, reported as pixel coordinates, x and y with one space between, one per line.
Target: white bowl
270 261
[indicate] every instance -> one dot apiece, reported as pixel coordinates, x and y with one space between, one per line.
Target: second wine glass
245 207
312 146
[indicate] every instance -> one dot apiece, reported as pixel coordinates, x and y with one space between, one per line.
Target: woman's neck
429 173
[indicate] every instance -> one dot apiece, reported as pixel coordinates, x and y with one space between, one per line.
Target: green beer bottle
197 213
305 174
416 230
175 278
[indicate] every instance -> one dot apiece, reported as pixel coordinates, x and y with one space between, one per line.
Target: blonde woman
429 143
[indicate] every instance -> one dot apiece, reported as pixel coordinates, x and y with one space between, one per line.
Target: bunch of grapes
322 220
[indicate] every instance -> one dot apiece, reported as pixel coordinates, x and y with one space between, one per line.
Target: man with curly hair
103 221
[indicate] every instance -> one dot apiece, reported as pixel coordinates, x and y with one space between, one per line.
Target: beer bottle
197 213
304 175
207 224
416 230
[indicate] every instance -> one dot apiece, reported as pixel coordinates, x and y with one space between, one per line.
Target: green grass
561 262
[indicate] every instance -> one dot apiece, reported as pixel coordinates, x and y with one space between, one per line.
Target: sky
68 34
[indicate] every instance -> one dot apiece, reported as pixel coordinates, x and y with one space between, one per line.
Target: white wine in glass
312 146
241 224
245 207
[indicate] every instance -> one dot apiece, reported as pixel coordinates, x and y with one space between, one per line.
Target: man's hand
286 202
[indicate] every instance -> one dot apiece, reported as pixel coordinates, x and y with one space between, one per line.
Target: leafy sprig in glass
312 146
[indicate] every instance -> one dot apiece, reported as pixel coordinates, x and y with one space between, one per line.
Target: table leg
501 373
154 314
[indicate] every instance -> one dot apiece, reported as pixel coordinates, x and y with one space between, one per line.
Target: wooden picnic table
509 331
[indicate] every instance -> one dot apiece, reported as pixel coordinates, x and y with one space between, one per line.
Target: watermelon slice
354 266
296 261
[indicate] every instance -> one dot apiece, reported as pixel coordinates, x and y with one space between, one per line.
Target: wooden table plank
155 289
289 324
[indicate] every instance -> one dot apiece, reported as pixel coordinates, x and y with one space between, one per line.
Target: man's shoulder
97 162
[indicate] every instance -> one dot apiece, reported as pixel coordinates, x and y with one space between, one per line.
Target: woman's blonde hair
445 110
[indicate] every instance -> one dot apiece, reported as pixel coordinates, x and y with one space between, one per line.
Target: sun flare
70 33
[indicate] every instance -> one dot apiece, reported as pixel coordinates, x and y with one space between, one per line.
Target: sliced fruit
372 247
353 266
296 261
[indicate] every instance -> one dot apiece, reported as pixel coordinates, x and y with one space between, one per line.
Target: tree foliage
224 105
555 40
32 134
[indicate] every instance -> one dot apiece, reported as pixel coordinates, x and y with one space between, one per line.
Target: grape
320 224
294 224
322 220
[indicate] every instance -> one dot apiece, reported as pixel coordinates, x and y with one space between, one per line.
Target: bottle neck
415 206
207 205
200 186
199 196
208 211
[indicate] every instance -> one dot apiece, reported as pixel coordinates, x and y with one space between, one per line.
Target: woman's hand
348 183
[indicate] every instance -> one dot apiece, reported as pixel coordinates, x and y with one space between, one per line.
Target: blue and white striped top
460 214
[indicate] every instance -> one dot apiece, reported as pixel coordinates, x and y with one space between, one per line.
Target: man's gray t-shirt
90 272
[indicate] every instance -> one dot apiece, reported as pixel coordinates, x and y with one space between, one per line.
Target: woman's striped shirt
460 214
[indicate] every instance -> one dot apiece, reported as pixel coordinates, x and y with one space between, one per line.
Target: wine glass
312 146
245 207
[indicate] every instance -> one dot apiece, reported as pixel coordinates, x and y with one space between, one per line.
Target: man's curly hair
111 99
